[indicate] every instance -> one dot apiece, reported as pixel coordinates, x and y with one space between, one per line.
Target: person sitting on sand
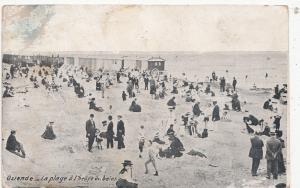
125 176
7 77
170 130
189 97
171 103
8 92
49 133
174 150
268 105
134 107
157 139
196 109
13 145
92 105
207 89
252 120
79 90
236 105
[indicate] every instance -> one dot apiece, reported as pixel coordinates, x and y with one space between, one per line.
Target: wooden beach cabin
156 63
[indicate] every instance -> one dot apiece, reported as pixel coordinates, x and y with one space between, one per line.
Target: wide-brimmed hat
127 163
104 123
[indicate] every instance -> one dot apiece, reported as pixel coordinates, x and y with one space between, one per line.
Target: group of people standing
93 133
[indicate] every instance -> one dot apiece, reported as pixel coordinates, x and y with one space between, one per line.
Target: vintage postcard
148 96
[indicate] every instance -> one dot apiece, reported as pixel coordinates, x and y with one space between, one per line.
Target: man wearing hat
13 145
273 149
120 132
110 133
256 153
125 176
90 132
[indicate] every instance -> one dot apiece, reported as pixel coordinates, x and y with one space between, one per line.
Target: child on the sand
141 139
151 159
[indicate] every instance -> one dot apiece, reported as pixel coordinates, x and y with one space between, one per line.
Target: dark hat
12 131
127 163
51 121
93 99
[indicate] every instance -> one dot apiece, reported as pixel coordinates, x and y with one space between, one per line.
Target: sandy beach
227 146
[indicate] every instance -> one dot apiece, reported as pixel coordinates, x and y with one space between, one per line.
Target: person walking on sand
141 139
234 82
151 159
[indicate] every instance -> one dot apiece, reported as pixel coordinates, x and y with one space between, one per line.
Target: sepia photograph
145 96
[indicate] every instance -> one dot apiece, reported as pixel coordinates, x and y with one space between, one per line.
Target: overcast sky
144 28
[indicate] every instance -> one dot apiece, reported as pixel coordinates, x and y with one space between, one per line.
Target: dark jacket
256 150
110 130
171 102
216 113
266 105
273 148
196 110
234 82
12 143
90 128
253 120
120 128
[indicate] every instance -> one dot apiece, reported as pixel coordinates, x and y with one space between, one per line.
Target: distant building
156 63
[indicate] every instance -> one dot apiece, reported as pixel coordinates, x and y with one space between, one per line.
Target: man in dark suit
216 112
256 153
90 132
234 82
110 133
120 132
273 149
